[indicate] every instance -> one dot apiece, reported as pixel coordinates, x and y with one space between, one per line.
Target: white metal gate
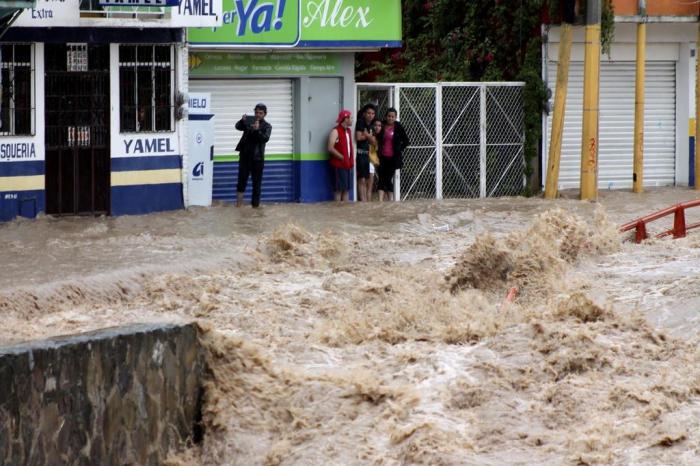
466 138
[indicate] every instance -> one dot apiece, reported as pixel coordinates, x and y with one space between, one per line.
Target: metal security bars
93 9
466 138
17 99
146 81
77 57
77 128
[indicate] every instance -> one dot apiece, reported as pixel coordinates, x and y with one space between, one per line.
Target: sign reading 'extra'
285 23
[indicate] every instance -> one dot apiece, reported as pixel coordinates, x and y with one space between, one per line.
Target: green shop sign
275 64
304 23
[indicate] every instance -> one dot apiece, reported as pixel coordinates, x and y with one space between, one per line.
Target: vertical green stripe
276 157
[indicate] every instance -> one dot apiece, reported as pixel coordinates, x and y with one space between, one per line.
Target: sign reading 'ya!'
255 22
304 23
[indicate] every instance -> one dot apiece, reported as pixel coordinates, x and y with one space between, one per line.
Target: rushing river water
381 333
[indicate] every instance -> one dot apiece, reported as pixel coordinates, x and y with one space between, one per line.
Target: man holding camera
251 149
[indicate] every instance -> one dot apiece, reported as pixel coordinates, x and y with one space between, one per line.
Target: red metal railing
679 229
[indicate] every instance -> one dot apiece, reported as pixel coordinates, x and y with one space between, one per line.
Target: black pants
246 167
386 171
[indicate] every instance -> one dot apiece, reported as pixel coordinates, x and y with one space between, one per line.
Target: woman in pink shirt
392 143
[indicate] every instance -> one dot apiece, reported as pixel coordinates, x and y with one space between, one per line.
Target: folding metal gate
466 138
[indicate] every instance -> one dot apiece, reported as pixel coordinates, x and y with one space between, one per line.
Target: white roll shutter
231 98
616 128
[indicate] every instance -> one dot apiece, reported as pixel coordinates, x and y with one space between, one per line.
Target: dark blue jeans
246 167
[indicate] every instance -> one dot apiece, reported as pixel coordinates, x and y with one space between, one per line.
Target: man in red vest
342 155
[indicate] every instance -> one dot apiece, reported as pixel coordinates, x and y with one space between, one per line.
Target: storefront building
669 98
297 57
92 108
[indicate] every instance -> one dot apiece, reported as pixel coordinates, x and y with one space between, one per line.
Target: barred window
17 75
146 77
91 5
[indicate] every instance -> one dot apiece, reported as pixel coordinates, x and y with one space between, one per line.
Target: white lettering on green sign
334 13
304 23
212 63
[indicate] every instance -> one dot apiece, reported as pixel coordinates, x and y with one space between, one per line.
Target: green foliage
477 40
535 95
470 40
607 24
607 27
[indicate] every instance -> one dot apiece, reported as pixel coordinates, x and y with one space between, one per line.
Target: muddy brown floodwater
381 333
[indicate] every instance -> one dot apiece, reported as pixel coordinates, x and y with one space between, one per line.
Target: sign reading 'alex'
305 23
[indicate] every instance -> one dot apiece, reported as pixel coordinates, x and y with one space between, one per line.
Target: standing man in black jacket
251 149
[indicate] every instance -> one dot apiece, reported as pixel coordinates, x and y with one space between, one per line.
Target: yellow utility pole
697 112
638 170
554 157
591 90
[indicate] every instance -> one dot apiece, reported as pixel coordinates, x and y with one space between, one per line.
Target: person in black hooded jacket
251 149
392 142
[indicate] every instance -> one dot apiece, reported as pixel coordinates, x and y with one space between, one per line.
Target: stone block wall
122 396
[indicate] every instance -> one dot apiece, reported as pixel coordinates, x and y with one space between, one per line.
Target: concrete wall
22 183
656 7
149 181
318 101
120 396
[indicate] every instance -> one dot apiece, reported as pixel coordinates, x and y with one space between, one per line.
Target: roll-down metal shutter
616 128
231 98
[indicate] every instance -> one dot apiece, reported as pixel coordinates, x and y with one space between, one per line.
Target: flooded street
381 333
